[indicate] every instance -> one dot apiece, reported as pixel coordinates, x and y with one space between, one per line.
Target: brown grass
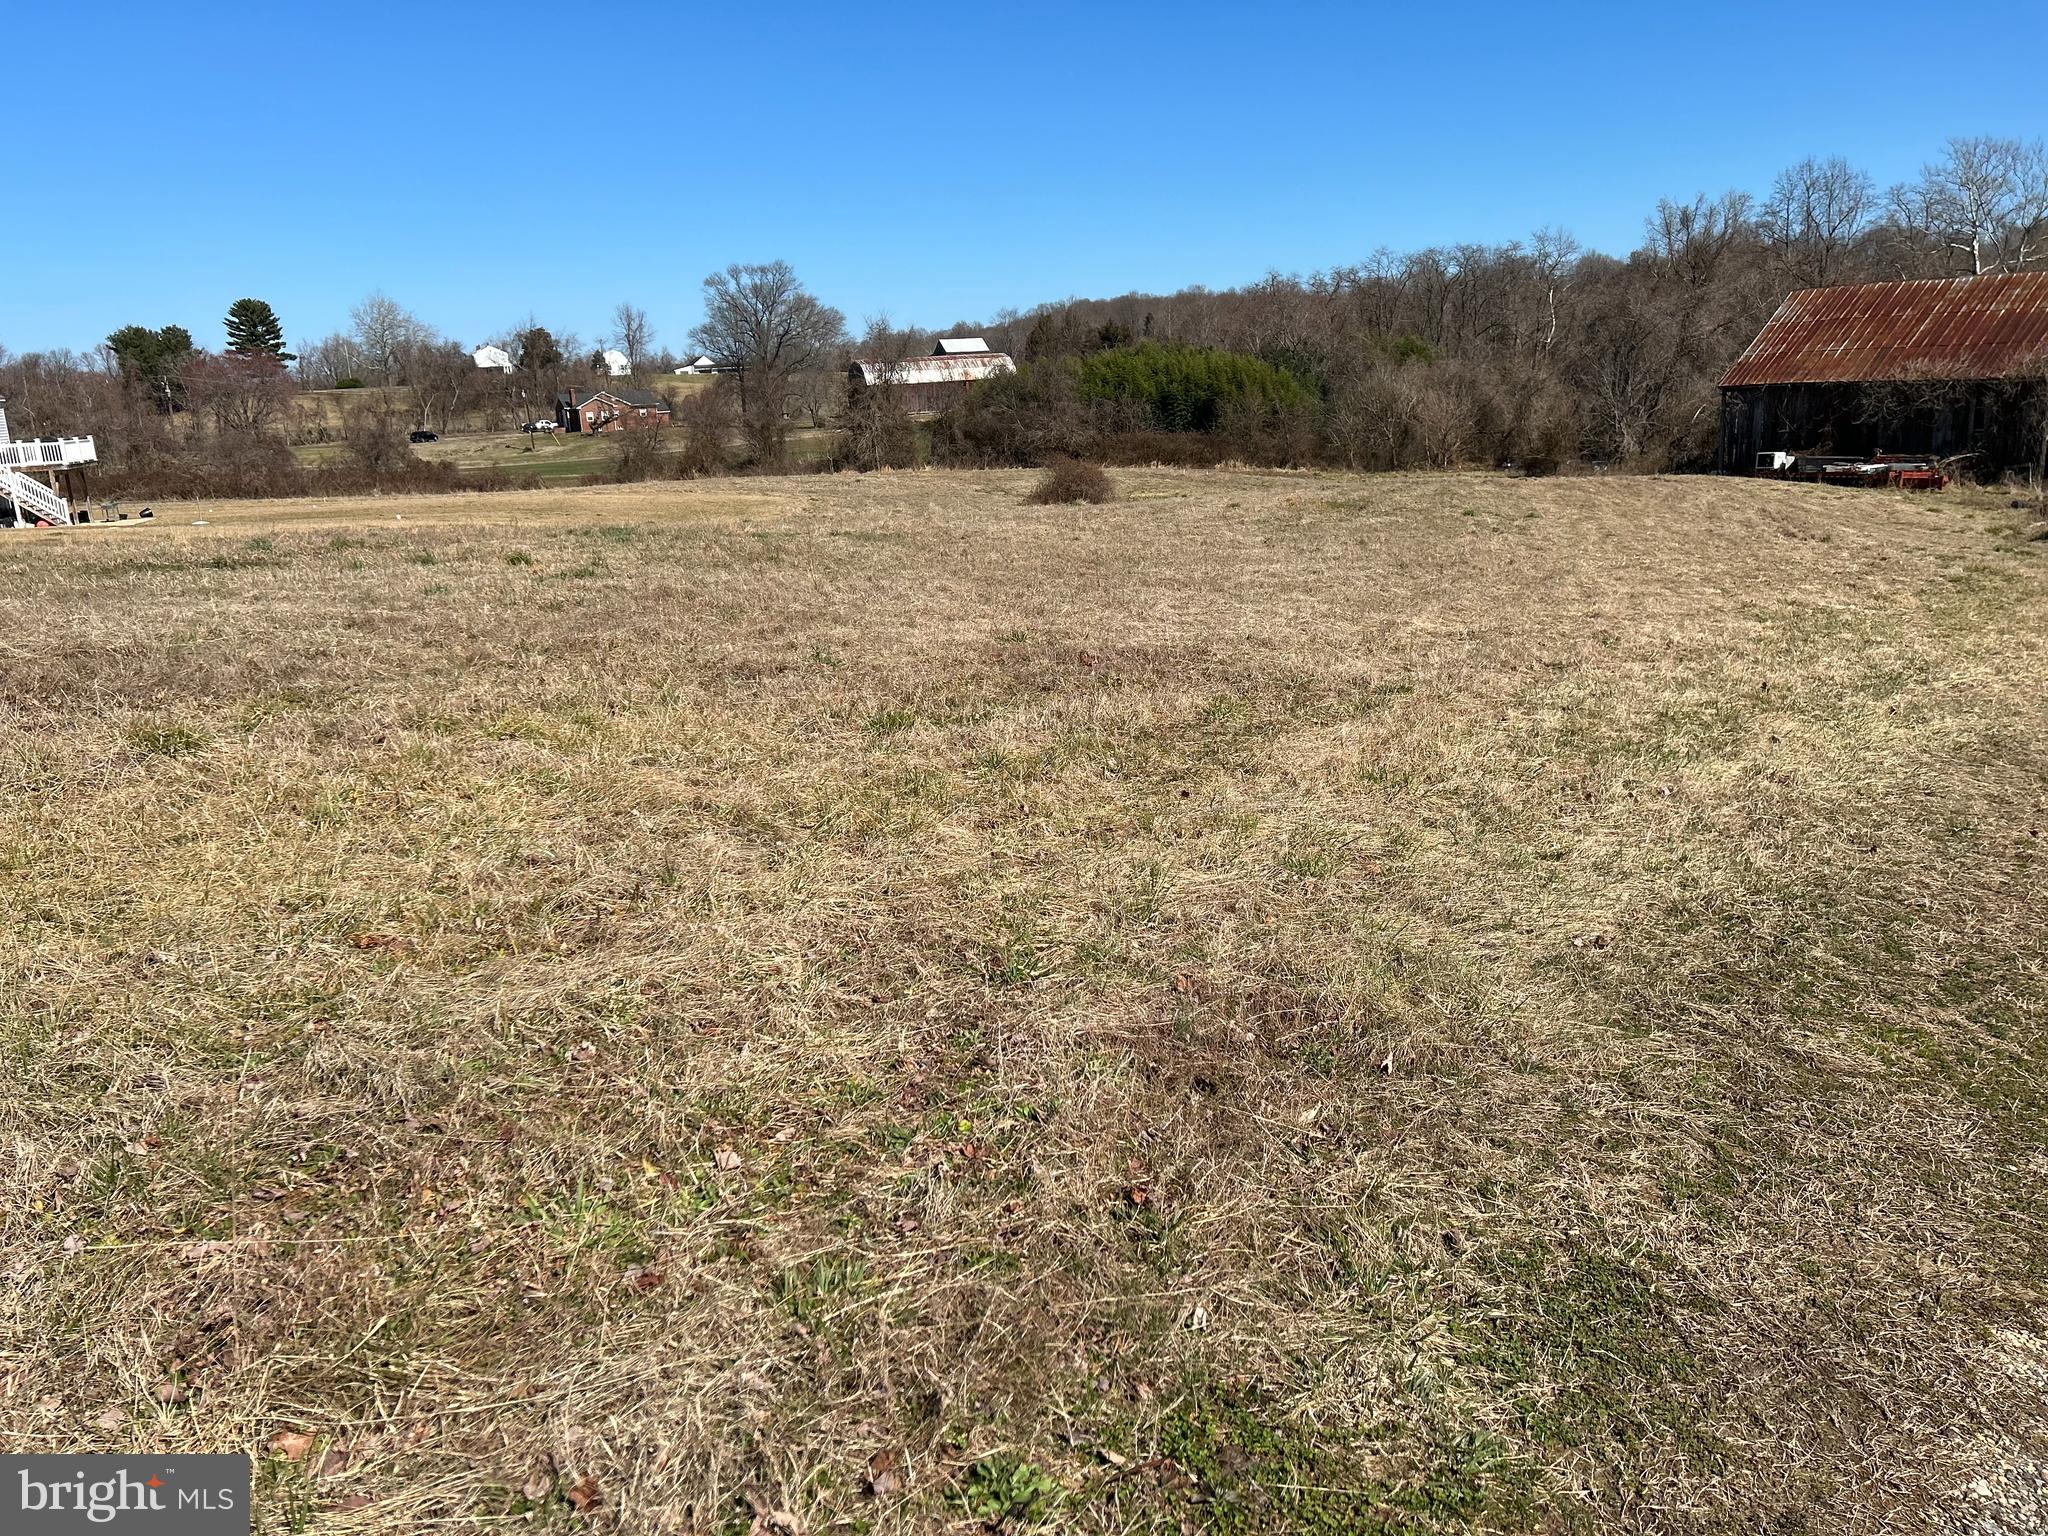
1286 1003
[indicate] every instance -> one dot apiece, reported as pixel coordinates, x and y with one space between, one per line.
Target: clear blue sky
937 161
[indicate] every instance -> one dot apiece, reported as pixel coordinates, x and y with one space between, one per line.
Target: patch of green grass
1587 1348
887 722
816 1290
1016 954
1254 1472
579 1219
167 740
1007 1492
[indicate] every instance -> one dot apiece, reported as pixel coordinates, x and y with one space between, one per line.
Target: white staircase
33 500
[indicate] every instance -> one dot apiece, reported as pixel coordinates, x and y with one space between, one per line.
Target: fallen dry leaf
726 1159
584 1495
771 1521
291 1444
541 1481
884 1476
381 941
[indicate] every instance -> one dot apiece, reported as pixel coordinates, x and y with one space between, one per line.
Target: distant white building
699 364
497 359
616 363
959 346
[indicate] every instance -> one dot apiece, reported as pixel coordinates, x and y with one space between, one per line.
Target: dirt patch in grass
1282 1002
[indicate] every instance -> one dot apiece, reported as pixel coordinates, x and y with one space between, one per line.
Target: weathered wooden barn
928 384
1946 367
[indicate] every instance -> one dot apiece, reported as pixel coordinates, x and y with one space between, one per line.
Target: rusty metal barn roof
1944 328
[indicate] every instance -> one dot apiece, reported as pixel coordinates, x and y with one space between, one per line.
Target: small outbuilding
1947 367
495 359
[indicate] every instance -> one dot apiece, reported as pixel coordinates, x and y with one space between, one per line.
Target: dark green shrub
1190 389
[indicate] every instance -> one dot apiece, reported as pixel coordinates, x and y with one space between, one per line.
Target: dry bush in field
638 455
707 421
1071 480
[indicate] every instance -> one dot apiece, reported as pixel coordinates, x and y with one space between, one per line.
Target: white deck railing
48 453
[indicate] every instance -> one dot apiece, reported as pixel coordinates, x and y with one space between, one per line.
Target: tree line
1533 351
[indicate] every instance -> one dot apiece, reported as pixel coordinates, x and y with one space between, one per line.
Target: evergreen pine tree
255 331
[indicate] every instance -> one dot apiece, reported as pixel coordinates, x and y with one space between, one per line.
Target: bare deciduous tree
373 431
879 434
1984 203
445 379
240 395
325 363
1553 253
386 333
1817 211
1693 239
632 335
764 327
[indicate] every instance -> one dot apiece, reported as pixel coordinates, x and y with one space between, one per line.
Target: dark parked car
424 436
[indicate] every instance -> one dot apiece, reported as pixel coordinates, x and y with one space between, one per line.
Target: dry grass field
1283 1003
